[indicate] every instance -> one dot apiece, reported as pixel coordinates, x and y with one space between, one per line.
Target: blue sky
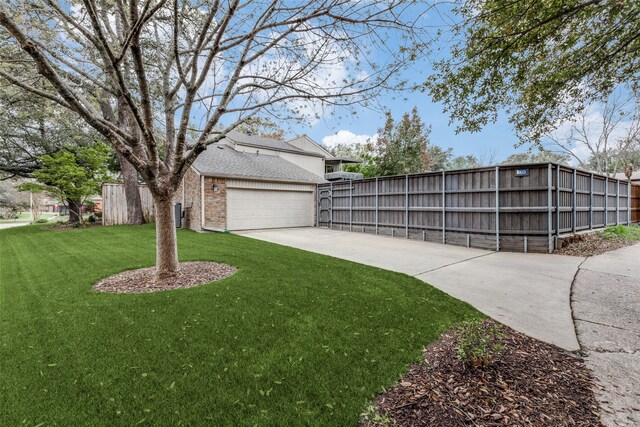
495 140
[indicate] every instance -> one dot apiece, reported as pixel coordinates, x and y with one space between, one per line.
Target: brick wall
192 200
215 203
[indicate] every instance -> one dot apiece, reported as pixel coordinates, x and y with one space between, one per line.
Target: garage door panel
249 209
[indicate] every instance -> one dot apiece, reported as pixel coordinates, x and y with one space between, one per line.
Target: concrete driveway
528 292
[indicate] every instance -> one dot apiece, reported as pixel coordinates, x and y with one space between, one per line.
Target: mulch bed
531 384
71 226
592 244
191 274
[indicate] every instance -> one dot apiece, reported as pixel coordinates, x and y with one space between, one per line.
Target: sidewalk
606 309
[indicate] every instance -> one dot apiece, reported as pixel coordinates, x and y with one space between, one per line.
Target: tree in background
463 162
261 126
541 62
12 201
158 79
31 126
604 138
72 175
401 147
541 156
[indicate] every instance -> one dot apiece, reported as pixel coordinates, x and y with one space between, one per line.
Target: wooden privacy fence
514 208
114 204
635 203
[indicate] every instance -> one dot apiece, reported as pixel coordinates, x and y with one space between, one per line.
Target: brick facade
192 200
215 203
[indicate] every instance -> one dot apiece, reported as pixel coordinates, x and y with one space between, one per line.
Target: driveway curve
527 292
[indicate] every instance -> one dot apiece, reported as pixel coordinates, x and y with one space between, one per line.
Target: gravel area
593 244
191 274
531 384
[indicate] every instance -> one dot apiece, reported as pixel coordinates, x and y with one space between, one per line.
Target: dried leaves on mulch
71 226
531 384
593 244
191 274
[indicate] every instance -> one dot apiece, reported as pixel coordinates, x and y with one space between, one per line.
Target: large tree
158 78
31 126
401 147
541 62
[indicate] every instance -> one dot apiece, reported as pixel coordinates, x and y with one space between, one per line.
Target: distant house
635 177
251 182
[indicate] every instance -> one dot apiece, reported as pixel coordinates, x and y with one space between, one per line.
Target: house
635 177
250 182
333 164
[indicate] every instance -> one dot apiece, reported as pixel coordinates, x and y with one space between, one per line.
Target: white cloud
345 137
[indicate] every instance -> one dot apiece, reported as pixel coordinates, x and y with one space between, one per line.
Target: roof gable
257 141
222 160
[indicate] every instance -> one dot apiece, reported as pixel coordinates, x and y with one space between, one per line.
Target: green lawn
22 217
293 338
26 217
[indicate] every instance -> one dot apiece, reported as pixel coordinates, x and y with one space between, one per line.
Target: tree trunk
135 214
166 243
75 211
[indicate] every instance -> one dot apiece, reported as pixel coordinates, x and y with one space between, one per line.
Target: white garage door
253 208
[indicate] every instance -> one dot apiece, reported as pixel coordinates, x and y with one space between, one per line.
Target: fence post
377 205
350 205
406 206
591 202
331 206
444 210
557 200
497 208
617 202
574 202
317 204
606 200
549 205
629 201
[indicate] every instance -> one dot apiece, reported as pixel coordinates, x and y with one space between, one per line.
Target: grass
631 232
293 338
26 217
21 217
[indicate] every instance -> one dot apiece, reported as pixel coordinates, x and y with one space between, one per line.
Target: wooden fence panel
635 203
519 208
114 204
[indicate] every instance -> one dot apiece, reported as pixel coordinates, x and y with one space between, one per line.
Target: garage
255 205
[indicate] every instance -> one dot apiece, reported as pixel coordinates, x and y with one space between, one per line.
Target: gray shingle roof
223 161
264 142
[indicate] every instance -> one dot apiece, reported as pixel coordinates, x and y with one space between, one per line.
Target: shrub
92 219
41 221
622 231
479 343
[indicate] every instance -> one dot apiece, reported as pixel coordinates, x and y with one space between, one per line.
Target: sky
495 141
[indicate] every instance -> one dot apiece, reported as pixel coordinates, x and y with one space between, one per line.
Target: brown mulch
592 244
531 384
191 274
71 226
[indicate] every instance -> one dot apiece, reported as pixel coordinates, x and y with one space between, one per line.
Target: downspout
202 226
